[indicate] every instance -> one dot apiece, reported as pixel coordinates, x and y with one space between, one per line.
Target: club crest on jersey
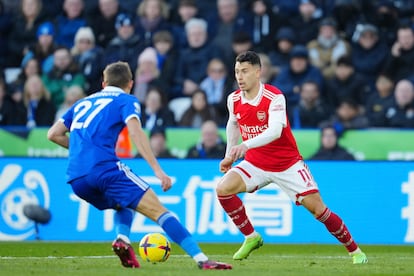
261 115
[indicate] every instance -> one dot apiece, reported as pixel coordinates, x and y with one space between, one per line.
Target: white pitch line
185 256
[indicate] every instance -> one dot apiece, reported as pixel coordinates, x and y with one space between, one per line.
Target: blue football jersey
95 123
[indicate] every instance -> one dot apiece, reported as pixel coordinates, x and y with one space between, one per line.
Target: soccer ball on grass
154 247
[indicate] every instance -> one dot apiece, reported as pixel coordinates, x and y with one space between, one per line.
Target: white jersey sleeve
232 128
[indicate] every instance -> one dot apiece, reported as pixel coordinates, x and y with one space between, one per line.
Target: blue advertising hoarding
375 199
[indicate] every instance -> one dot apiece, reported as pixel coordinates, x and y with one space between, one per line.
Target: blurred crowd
342 63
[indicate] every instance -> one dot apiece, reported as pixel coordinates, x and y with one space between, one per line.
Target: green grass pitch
96 258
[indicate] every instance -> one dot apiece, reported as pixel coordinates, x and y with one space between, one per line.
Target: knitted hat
299 51
123 19
45 29
149 54
85 33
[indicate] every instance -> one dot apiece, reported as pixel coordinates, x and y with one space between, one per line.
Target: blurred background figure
400 113
346 83
65 73
198 112
329 148
282 45
211 144
44 47
158 143
89 58
369 53
311 110
22 34
217 86
72 95
193 60
265 24
155 114
327 48
102 21
167 56
69 22
299 70
379 101
40 110
126 45
347 116
151 16
147 74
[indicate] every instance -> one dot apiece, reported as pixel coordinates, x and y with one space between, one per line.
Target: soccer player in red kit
257 112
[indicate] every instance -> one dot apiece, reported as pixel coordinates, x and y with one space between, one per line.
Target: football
154 247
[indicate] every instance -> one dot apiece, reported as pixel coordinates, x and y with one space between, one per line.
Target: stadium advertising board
376 200
375 144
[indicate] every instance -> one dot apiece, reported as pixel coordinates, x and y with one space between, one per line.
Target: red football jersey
279 154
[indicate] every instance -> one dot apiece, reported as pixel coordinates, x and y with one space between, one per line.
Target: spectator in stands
400 64
211 144
64 74
155 112
299 70
199 111
68 23
167 57
347 116
400 114
347 14
346 84
126 45
5 26
306 23
283 44
152 16
217 86
147 74
329 148
265 25
72 95
229 19
369 53
7 105
40 110
89 57
241 42
44 47
103 20
267 72
158 143
193 61
379 101
14 111
327 48
186 10
23 32
311 110
30 67
386 18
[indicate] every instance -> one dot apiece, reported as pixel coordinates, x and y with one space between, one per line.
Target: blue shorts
112 187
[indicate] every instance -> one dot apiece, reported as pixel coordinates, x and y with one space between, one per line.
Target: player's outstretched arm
57 134
140 140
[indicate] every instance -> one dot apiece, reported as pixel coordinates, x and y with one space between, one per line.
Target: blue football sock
123 221
178 233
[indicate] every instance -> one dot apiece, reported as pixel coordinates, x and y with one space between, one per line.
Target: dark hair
117 74
250 57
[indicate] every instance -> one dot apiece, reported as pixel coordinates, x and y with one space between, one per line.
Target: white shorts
296 182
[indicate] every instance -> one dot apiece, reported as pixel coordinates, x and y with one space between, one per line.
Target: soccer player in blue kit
100 178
